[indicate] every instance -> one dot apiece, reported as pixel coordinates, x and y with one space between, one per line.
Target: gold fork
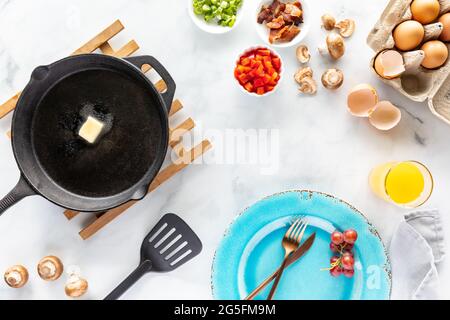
291 241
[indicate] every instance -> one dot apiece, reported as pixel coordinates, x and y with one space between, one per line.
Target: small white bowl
213 27
263 31
253 94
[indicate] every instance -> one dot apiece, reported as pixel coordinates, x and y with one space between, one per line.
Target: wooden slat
160 86
70 214
179 150
162 176
126 50
106 48
9 105
146 67
176 106
101 38
176 133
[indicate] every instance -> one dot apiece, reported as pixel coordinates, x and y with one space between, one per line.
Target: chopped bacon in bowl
258 70
282 19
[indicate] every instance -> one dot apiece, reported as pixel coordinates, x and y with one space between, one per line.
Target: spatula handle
143 268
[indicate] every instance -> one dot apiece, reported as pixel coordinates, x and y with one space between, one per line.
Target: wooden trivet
185 157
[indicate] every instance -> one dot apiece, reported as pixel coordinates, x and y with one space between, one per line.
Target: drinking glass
408 184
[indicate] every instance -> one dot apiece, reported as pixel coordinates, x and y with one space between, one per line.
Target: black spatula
170 244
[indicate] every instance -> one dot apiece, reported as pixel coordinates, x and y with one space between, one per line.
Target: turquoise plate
251 250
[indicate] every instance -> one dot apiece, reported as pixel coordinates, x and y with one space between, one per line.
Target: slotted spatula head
170 244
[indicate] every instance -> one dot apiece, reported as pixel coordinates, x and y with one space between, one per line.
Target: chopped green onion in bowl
222 12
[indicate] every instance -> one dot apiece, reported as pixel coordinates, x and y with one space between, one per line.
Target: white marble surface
321 146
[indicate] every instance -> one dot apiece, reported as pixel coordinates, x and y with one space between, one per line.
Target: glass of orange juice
407 184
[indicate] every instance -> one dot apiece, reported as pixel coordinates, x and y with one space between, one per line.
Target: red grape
334 259
334 247
347 261
347 247
337 237
336 271
350 236
349 273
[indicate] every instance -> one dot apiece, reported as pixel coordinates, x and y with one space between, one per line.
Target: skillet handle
162 71
20 191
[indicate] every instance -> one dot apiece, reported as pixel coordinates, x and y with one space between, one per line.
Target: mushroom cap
16 276
76 286
302 53
346 27
308 85
332 78
50 268
303 73
328 22
335 45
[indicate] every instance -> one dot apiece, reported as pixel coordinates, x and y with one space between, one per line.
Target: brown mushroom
302 53
16 276
335 46
75 286
308 85
303 73
50 268
346 27
332 78
328 22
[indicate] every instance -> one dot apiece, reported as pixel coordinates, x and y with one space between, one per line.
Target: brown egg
425 11
436 53
445 20
408 35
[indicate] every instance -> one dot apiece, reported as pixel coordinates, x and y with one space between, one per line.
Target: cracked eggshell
389 64
385 116
361 100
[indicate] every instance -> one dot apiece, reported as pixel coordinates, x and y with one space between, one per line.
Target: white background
321 146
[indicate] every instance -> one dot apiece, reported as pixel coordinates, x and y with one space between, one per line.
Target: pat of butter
91 129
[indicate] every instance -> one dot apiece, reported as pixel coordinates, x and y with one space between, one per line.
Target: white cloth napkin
416 250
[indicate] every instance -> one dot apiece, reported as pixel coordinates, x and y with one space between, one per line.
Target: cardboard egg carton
416 83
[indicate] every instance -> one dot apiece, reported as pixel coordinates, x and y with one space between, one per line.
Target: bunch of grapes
343 261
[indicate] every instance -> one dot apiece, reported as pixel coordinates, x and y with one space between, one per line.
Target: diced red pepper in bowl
258 71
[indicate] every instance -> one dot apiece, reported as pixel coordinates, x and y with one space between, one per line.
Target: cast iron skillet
57 164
